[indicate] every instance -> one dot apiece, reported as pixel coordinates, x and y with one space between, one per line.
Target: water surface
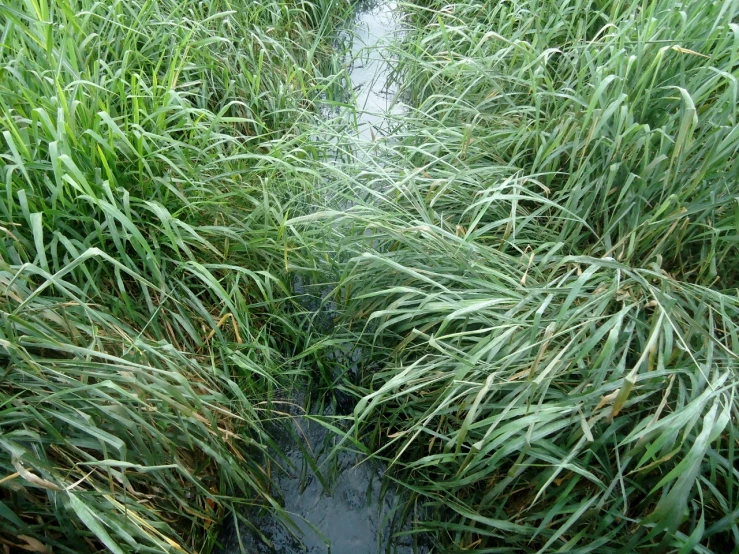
344 511
374 28
336 504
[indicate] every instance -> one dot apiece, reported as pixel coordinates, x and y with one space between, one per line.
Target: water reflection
334 504
374 28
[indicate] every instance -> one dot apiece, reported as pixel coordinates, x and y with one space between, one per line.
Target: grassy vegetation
151 152
544 269
538 269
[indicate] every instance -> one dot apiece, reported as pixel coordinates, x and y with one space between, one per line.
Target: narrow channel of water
342 509
375 100
335 503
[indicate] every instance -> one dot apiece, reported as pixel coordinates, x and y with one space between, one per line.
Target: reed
542 275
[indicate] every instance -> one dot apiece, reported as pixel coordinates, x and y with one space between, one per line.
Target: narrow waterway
335 503
375 100
331 506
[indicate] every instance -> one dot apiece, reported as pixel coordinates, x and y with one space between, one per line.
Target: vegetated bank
544 268
539 268
151 152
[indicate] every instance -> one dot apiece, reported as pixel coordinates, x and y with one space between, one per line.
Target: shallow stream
336 503
375 100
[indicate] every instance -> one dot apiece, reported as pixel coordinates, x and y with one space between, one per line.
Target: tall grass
543 267
538 268
151 153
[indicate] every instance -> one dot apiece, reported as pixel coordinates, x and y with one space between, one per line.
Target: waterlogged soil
333 500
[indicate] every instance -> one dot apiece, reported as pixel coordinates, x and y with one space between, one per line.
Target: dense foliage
149 160
535 272
548 278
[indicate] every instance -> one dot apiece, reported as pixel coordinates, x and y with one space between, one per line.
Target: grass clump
546 275
150 154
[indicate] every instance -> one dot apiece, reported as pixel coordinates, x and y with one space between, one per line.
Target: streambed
375 100
343 508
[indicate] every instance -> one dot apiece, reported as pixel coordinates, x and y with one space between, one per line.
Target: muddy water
335 503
